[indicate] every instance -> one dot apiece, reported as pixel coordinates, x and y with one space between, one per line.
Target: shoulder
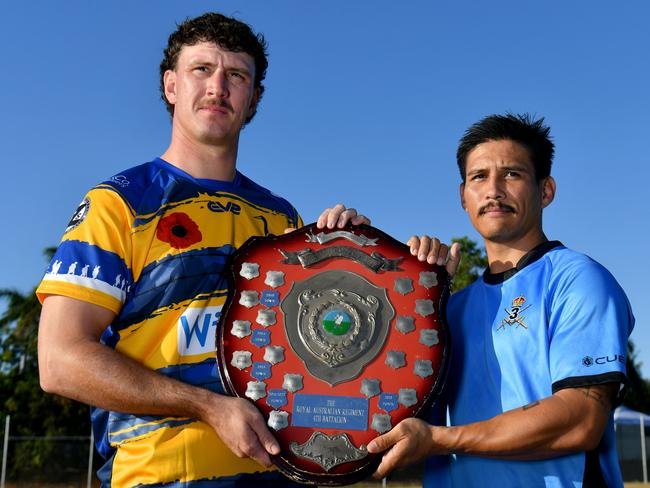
140 184
259 195
569 268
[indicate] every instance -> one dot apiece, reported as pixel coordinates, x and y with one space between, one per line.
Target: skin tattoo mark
597 397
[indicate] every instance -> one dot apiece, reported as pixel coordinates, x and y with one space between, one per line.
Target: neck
503 256
202 160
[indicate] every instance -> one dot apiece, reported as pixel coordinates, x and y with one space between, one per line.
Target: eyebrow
198 61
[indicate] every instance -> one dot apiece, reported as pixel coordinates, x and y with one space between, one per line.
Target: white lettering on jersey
197 330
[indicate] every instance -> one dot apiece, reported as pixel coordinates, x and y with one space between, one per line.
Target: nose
495 189
217 85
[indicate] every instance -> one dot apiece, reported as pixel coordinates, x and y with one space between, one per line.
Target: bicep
66 325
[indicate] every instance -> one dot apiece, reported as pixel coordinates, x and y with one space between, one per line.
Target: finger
454 259
346 216
360 219
249 445
334 214
264 435
414 244
442 254
425 246
432 257
386 466
381 443
322 218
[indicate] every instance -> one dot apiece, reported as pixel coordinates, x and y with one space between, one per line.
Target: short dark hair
521 128
228 33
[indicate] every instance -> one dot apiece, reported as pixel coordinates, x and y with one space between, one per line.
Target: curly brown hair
228 33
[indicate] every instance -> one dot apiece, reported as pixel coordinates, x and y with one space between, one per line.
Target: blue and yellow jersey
151 244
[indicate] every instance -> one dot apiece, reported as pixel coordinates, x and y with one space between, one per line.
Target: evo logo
228 207
197 330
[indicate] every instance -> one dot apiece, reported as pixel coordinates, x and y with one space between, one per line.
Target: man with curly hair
136 337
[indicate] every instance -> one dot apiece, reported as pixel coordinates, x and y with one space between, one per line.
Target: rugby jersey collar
203 182
529 258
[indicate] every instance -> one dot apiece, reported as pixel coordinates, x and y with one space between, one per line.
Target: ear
252 107
548 191
169 80
462 196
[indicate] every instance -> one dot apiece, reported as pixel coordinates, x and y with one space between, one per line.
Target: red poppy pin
178 230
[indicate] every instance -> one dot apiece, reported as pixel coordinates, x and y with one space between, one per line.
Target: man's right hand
431 250
242 428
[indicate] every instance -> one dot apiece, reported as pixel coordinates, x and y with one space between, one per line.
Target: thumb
381 443
454 259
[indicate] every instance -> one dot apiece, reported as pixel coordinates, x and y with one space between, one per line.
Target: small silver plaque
428 279
292 382
256 390
424 307
423 368
265 317
241 328
274 354
274 278
429 337
241 359
381 422
404 285
405 324
278 419
395 359
249 298
250 270
407 397
370 387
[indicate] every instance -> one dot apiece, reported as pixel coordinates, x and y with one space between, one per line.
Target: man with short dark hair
132 298
539 342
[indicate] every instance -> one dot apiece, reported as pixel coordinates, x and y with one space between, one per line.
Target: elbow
50 375
586 437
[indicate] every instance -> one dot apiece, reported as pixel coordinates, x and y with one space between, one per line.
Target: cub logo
514 314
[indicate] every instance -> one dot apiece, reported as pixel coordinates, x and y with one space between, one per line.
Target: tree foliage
33 412
473 262
638 391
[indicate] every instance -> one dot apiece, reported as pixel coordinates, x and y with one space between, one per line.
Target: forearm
73 363
97 375
570 421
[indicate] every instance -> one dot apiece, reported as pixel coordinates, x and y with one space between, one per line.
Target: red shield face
336 336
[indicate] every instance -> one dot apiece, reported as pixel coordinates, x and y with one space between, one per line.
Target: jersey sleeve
92 262
589 325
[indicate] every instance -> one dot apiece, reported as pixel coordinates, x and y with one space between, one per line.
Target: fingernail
441 261
421 257
371 446
275 449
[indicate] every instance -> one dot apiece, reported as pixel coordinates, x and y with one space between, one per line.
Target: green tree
33 412
638 392
473 262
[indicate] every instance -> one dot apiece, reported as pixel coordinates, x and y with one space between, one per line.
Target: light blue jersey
558 320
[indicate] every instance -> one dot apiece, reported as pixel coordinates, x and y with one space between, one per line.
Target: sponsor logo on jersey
589 361
227 207
197 330
120 180
79 214
514 314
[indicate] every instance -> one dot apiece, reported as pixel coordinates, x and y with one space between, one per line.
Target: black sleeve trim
599 379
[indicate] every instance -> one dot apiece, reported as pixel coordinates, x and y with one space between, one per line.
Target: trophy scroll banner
335 336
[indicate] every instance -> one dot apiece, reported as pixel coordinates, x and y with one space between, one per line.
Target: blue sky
365 103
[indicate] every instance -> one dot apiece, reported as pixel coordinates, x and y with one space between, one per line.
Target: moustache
500 206
217 103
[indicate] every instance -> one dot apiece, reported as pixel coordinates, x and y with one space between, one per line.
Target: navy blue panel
174 279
